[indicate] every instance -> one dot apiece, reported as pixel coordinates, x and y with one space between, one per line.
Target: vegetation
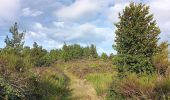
139 71
162 64
100 81
141 87
136 39
104 56
141 62
18 80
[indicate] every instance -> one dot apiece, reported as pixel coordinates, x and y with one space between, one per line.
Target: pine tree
93 51
16 42
111 56
86 52
65 52
104 56
136 39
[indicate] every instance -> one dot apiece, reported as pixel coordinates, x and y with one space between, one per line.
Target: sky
50 23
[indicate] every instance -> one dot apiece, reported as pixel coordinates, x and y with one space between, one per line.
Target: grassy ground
101 82
81 89
90 79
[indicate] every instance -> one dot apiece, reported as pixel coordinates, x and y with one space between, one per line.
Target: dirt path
81 89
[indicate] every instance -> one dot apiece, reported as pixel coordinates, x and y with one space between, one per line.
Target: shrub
104 57
168 71
162 88
51 85
162 64
14 83
141 87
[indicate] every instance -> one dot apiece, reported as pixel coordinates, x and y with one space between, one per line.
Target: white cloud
58 24
112 12
38 32
30 12
38 26
9 10
82 34
161 10
89 33
82 9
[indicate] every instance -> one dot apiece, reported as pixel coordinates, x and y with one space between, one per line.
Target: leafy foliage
136 38
69 52
104 57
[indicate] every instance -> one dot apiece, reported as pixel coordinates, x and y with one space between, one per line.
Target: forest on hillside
139 71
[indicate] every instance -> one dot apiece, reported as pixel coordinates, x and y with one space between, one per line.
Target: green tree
16 41
54 54
86 52
77 51
37 55
65 52
104 56
93 51
136 39
111 56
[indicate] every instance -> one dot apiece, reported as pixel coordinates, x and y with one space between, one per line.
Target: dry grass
101 82
81 68
88 77
81 89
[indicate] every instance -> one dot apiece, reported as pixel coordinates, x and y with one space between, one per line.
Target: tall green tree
111 56
86 52
93 51
16 41
104 56
65 52
136 39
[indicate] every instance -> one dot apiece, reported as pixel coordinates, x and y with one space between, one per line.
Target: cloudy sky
51 22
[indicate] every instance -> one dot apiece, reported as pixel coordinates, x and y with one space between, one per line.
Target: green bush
133 63
140 87
14 78
104 57
51 85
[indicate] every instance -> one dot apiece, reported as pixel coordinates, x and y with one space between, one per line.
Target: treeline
69 52
41 57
